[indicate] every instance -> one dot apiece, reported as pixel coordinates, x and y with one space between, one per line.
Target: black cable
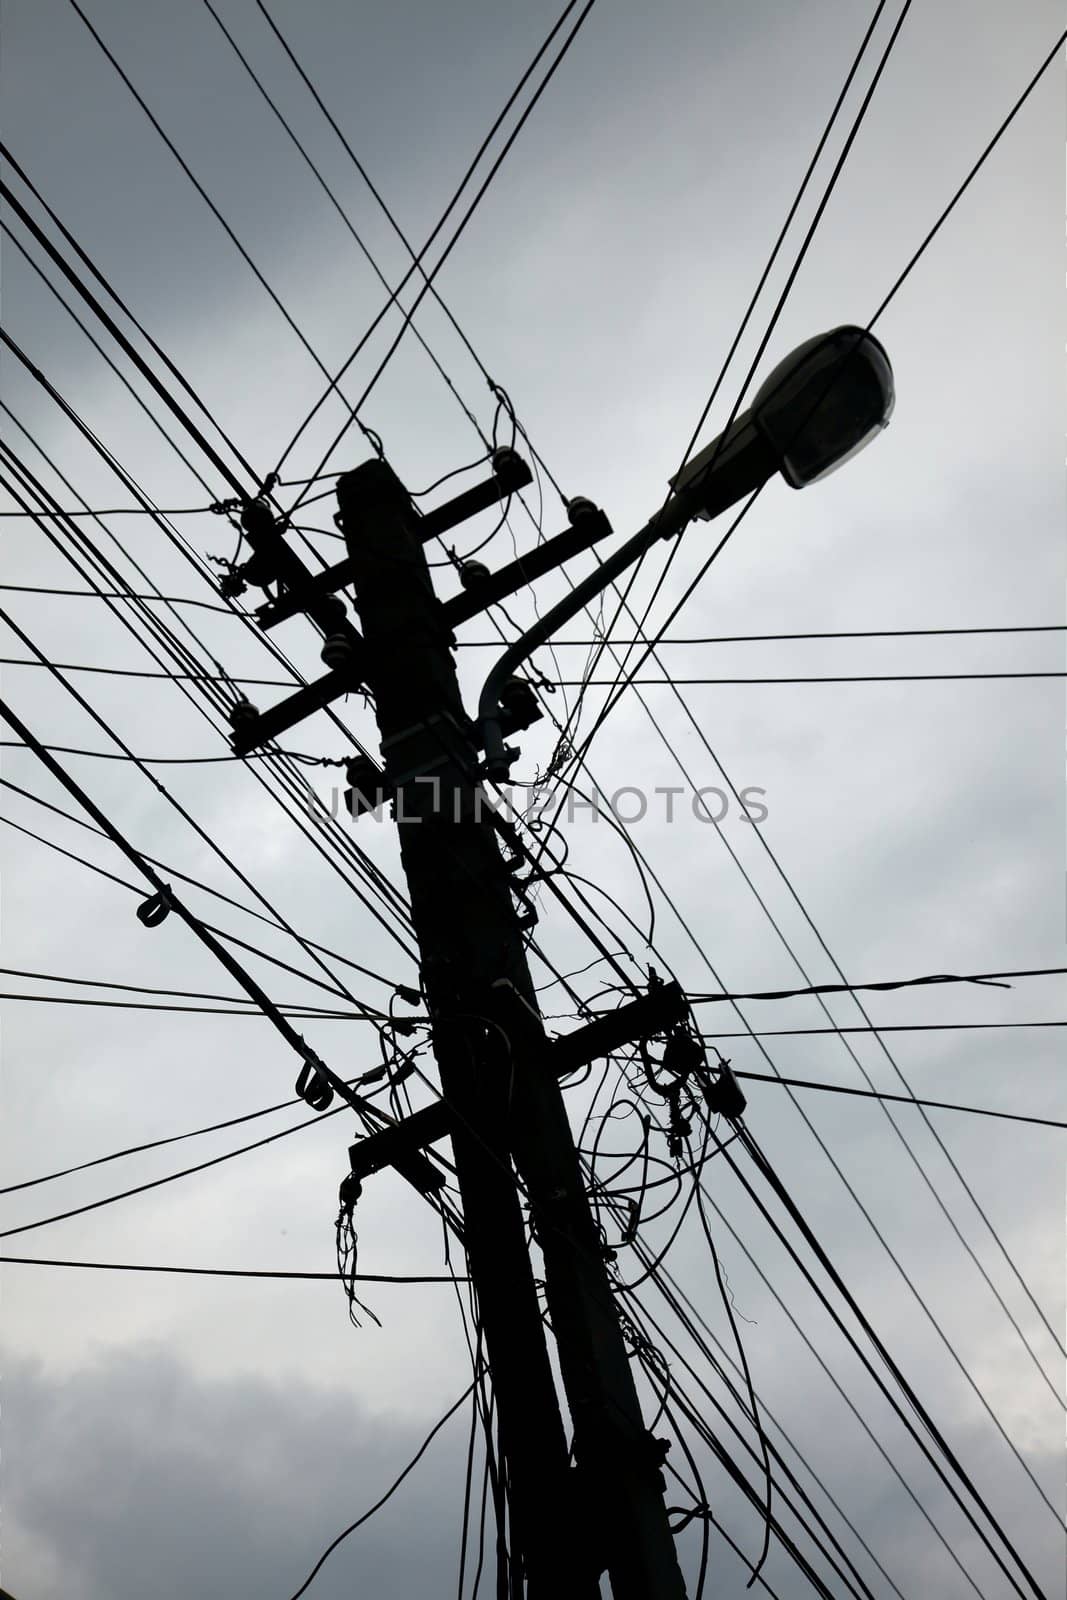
881 1027
767 848
313 1121
775 638
416 259
116 333
905 1480
827 192
141 760
904 1099
216 213
738 1341
368 871
164 677
770 1176
232 1010
117 594
978 165
1046 63
113 511
182 811
152 1144
705 683
220 1272
113 294
218 894
449 208
346 220
416 1458
457 232
993 979
676 1298
163 890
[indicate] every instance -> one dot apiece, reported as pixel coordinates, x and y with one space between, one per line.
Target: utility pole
501 1101
504 1099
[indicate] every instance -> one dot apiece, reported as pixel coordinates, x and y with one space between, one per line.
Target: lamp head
816 409
824 402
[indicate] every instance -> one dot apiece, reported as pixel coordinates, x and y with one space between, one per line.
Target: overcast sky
170 1435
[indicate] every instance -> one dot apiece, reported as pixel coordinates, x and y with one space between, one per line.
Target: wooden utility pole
608 1511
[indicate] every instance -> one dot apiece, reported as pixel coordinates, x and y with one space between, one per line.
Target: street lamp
816 410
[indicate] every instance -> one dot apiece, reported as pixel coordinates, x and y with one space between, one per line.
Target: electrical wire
767 1172
217 214
218 894
223 1272
706 683
904 1099
115 594
775 638
991 979
457 232
393 1487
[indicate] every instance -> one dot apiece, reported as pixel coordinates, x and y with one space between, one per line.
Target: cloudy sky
171 1435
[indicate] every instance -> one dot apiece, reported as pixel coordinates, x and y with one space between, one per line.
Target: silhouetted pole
492 1055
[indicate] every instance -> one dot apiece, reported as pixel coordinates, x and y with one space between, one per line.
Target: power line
116 333
314 1014
881 1027
216 213
383 920
115 511
341 212
298 793
165 896
228 1272
771 1177
457 232
771 638
313 1121
141 760
653 644
707 683
393 1487
119 594
972 174
218 894
563 683
117 299
151 1144
992 978
140 672
828 190
139 988
904 1099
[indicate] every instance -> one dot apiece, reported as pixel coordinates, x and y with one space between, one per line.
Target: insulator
331 612
505 460
578 508
519 701
724 1095
241 713
368 791
232 585
260 569
337 652
154 910
473 573
682 1053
